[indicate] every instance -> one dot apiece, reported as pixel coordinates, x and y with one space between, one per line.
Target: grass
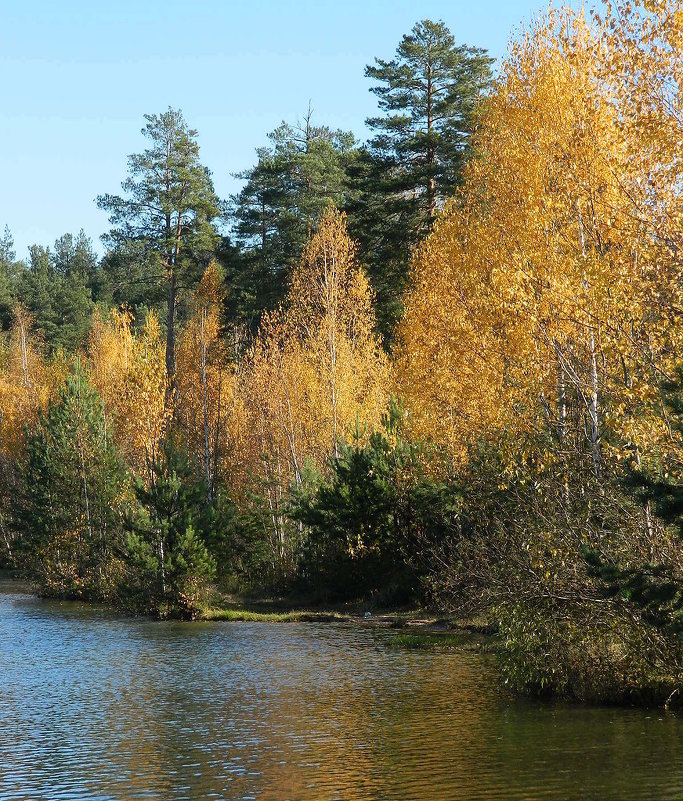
420 630
293 616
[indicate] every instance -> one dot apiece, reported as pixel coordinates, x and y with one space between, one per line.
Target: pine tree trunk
431 155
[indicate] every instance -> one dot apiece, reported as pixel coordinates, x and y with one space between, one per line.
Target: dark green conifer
428 94
170 563
70 510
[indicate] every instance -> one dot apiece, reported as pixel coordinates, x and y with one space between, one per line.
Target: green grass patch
250 616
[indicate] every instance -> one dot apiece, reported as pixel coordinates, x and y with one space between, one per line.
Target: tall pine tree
428 94
170 207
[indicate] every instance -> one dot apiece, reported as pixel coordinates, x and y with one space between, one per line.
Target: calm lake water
94 706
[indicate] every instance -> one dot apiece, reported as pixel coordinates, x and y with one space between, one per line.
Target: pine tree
170 560
277 211
356 516
8 279
128 276
74 255
428 94
170 207
69 512
54 288
656 588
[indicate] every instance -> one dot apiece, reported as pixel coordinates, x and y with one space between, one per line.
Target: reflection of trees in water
131 709
363 723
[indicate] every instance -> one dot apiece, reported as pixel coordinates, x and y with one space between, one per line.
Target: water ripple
107 708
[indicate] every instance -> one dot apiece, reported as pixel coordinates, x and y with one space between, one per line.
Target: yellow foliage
129 372
317 368
207 406
27 382
553 275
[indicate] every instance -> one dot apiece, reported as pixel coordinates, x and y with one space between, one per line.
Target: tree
646 39
542 321
428 94
54 288
316 370
170 207
128 277
27 382
279 208
205 381
370 518
74 255
331 312
70 509
128 368
654 587
169 556
8 279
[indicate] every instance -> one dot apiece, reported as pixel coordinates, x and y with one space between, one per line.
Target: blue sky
77 76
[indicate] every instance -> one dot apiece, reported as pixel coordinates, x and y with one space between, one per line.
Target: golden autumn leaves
27 381
551 285
318 365
547 297
315 370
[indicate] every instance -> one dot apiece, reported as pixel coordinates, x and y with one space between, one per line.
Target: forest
438 368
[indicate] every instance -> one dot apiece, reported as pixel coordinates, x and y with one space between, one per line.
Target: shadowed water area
94 706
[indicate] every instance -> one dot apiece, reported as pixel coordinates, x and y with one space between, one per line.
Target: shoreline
413 622
266 610
416 629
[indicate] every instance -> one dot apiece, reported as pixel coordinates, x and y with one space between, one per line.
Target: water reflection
99 707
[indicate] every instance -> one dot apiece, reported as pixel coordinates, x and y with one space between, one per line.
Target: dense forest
439 367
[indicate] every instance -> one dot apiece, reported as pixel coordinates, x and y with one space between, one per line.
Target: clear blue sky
78 75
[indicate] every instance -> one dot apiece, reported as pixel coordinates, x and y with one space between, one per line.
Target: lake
96 706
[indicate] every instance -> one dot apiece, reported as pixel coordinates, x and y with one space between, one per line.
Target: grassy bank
291 616
431 625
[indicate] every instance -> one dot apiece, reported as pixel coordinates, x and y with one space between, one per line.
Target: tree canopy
169 206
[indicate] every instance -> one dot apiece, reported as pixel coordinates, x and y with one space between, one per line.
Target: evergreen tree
167 549
370 520
428 94
128 276
74 256
170 207
54 288
9 272
655 588
69 512
384 241
294 180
